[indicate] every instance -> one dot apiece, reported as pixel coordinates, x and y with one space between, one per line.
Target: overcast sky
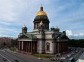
66 14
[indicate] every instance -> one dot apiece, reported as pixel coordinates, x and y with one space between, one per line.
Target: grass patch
13 49
42 55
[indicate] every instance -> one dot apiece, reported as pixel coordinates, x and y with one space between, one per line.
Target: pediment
24 36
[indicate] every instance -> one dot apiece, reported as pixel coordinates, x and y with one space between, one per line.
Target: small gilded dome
41 12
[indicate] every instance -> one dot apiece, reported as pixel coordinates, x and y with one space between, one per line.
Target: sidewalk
30 56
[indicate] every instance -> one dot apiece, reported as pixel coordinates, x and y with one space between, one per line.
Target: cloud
81 34
6 10
67 15
10 9
72 35
69 33
8 32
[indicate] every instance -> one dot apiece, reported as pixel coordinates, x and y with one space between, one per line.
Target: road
8 56
73 55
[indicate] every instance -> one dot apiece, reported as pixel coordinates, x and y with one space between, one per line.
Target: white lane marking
5 58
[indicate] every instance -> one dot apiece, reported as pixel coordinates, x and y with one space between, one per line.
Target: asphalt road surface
8 56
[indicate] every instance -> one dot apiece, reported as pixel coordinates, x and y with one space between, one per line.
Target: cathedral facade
42 39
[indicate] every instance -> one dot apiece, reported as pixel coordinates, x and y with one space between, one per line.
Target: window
48 46
36 26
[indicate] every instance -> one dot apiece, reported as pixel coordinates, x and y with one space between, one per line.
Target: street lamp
39 54
58 47
58 52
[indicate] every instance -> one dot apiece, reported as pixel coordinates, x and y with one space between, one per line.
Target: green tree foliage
7 42
76 43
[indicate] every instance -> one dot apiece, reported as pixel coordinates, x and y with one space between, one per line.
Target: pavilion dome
41 16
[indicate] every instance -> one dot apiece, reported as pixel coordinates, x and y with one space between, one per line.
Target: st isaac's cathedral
42 39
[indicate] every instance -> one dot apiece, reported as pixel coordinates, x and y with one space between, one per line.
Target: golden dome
41 12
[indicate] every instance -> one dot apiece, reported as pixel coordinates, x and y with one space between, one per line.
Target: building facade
42 39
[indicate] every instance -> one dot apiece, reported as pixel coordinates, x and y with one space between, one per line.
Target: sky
68 15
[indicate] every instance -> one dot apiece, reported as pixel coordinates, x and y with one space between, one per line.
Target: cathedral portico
28 46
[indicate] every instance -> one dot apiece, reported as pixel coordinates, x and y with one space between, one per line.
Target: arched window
36 26
48 46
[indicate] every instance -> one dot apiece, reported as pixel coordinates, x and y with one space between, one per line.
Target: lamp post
58 47
58 51
39 54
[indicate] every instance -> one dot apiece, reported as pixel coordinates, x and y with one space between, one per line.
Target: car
68 55
16 60
61 61
4 59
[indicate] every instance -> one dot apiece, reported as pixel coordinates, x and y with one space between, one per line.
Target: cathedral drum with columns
42 39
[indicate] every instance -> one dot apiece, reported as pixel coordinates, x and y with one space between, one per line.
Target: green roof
27 35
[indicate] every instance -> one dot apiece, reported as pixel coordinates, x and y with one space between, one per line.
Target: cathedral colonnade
27 46
61 47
